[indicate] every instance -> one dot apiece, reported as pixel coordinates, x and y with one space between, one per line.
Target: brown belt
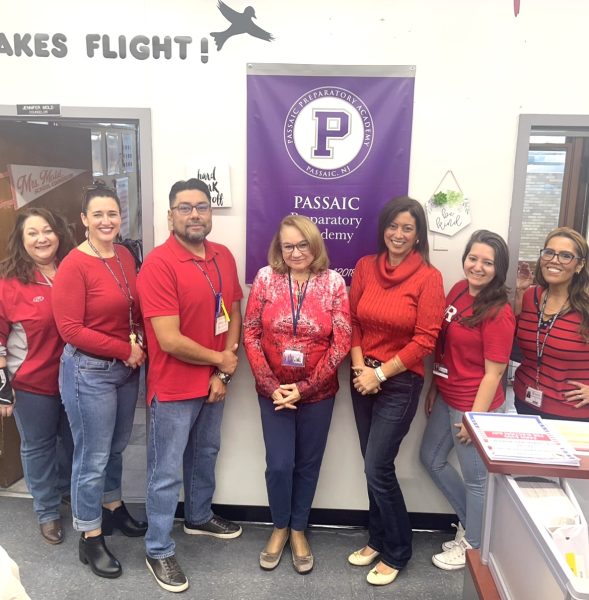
373 363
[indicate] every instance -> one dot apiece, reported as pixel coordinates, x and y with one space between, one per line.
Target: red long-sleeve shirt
90 309
396 311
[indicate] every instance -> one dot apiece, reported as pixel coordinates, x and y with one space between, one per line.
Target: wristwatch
224 377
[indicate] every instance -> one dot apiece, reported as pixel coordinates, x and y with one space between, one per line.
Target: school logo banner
328 142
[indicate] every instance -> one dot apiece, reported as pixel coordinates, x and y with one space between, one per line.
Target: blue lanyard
296 314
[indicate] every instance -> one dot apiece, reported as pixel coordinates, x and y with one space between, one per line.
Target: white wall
478 68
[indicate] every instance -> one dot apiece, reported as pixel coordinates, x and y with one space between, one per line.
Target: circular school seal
328 132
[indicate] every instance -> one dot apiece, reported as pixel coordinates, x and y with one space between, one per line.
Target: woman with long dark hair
97 313
553 331
397 304
472 353
30 347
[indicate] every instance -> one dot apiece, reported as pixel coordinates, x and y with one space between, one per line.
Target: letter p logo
331 124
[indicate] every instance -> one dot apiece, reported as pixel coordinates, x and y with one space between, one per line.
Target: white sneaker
452 559
457 538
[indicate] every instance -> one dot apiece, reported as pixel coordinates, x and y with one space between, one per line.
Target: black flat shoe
93 552
120 519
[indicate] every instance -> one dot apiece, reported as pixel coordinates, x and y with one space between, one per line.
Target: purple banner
328 142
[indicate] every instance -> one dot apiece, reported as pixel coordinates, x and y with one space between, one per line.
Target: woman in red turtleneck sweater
397 305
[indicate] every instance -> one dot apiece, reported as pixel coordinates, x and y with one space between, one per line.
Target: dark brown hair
579 286
389 213
489 301
18 263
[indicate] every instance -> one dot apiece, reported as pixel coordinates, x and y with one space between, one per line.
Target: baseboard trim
326 517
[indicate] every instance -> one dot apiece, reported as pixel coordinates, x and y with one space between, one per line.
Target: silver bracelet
380 375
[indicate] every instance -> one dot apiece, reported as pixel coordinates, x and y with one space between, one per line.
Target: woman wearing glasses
397 305
97 314
30 348
553 331
296 333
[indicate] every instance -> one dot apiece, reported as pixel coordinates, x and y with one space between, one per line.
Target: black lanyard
296 313
548 328
455 319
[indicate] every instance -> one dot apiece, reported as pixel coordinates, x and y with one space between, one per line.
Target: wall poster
328 142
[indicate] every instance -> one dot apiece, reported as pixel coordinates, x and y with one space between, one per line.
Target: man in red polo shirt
190 298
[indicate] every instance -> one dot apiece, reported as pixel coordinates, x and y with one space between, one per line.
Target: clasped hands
285 396
365 381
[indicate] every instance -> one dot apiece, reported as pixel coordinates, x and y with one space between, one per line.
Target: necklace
127 294
46 276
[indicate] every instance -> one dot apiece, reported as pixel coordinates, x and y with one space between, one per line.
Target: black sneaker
217 527
167 573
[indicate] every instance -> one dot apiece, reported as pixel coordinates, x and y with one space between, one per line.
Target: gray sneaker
216 527
167 573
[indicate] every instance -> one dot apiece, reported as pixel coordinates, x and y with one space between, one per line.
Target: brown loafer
303 564
52 531
270 560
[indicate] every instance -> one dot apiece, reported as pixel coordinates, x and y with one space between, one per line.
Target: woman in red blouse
296 334
553 331
397 304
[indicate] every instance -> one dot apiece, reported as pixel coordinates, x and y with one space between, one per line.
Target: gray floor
217 569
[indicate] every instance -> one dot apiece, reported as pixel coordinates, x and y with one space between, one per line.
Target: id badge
221 325
440 370
533 397
293 358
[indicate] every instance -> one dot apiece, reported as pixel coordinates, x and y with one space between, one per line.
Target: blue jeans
295 442
46 449
99 397
383 420
467 496
186 435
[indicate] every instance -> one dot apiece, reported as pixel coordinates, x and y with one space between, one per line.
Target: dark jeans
295 442
46 449
383 420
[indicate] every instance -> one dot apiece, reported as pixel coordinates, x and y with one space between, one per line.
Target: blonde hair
311 234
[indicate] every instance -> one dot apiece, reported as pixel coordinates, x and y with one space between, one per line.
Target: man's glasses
302 247
564 258
185 209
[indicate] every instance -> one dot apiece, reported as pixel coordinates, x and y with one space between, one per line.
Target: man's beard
193 237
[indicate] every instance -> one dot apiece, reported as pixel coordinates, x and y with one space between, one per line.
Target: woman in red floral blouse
296 333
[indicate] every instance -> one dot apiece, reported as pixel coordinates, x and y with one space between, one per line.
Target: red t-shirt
170 284
396 311
323 333
565 358
29 336
90 310
465 349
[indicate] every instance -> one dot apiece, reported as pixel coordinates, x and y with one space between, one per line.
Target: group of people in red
77 323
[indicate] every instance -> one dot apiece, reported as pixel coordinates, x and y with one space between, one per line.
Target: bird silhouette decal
240 23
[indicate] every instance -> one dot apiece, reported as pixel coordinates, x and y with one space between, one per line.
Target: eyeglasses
185 208
564 258
302 247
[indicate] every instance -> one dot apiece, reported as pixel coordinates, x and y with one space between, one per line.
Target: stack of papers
521 438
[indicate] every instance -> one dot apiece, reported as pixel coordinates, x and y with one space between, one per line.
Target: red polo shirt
170 284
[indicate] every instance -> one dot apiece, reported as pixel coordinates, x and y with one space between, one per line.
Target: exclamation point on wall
204 50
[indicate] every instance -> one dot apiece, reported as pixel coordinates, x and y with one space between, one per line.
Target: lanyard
219 305
128 296
454 319
540 348
296 314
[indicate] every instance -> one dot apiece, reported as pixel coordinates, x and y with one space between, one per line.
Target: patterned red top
565 358
323 333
